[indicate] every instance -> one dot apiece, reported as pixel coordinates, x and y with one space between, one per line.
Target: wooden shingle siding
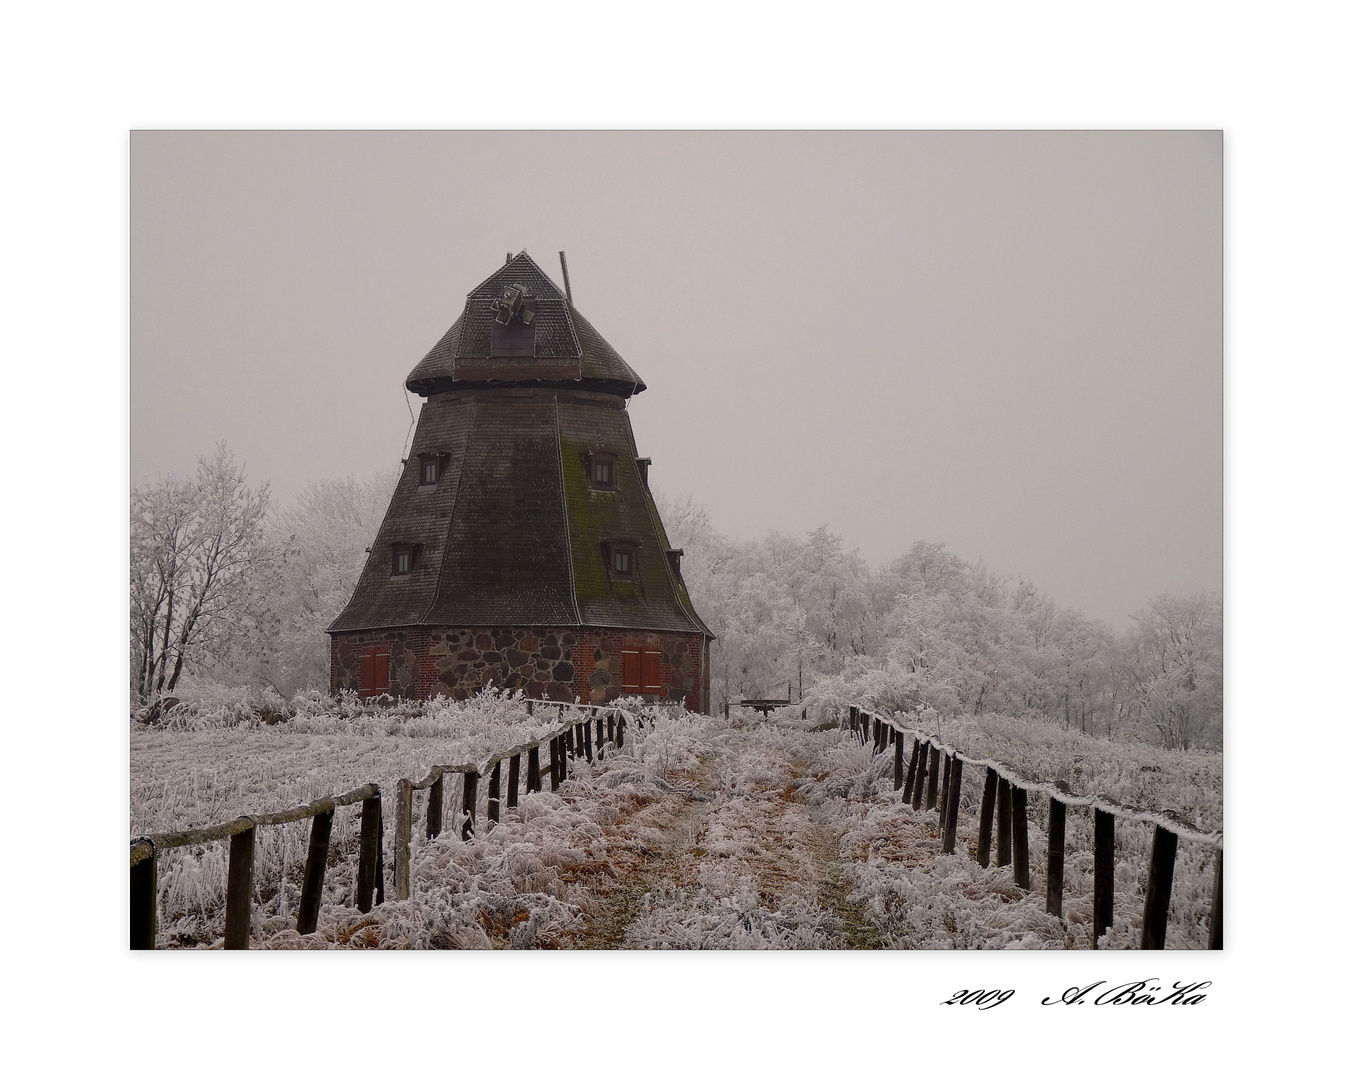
514 534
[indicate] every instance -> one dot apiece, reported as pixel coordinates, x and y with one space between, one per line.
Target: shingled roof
566 347
513 533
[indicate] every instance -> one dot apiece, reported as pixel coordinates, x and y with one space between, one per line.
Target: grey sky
1008 341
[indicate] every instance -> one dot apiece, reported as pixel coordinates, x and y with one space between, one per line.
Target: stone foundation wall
555 664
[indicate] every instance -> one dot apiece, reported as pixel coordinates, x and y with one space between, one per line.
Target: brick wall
557 664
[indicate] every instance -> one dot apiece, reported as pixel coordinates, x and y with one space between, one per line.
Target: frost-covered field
700 833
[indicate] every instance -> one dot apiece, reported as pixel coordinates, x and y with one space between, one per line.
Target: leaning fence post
1003 819
1056 854
1103 915
951 804
239 889
944 788
1159 882
533 768
1214 919
403 834
144 889
513 777
436 801
367 865
911 770
469 797
316 859
933 780
899 771
923 756
494 778
984 821
1019 813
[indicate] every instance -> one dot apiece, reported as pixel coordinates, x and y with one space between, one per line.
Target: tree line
226 586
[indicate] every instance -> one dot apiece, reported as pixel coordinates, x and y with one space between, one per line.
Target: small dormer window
620 559
430 468
402 559
601 470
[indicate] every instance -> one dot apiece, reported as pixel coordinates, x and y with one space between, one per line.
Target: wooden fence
570 739
934 776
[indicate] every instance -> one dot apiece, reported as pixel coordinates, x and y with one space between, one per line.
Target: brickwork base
556 664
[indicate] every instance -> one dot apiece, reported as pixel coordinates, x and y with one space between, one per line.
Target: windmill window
430 468
402 559
621 561
601 470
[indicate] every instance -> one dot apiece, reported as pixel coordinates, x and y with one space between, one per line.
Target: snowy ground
700 833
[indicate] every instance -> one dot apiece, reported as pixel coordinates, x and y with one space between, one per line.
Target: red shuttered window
630 674
375 674
651 682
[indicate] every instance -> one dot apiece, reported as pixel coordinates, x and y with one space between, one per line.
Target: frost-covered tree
1177 668
196 551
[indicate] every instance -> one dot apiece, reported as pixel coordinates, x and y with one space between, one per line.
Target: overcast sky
1006 341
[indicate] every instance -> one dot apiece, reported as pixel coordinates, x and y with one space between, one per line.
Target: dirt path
751 867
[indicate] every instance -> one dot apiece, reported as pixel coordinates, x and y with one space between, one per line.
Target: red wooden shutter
630 675
364 682
375 672
651 683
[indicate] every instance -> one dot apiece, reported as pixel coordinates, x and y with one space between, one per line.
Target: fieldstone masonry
555 664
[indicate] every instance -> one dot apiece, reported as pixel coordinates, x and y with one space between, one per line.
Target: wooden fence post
368 861
1056 854
1103 917
951 805
578 741
467 804
530 708
533 768
494 778
554 763
899 764
854 717
911 770
312 886
1159 883
1019 813
1214 918
436 802
567 736
944 788
984 820
587 738
513 778
145 888
239 889
1003 818
923 756
403 834
933 780
610 727
620 734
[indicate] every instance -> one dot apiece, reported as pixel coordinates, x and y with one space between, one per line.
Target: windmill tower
522 547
